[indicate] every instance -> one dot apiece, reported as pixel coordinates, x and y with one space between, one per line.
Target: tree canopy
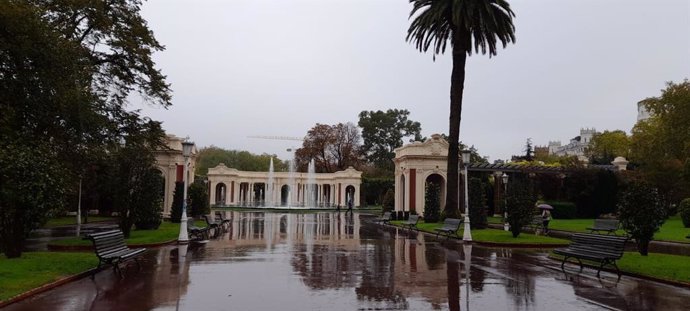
383 132
608 145
242 160
332 147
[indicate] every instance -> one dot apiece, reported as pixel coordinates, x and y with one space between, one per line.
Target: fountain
291 181
311 185
268 201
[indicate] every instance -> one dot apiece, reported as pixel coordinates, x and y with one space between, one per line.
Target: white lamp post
504 177
186 152
466 235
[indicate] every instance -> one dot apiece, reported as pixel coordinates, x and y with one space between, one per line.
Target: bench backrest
208 220
606 224
612 246
451 223
537 220
107 242
386 216
413 219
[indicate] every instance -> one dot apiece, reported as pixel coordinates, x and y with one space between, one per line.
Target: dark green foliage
684 212
389 200
594 192
477 202
30 192
148 200
432 202
242 160
641 213
382 132
549 186
563 210
374 189
520 204
176 208
198 196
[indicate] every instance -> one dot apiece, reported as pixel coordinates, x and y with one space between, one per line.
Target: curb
85 248
47 287
632 274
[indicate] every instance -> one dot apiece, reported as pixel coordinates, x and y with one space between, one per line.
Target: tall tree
241 160
383 132
332 147
608 145
468 25
660 145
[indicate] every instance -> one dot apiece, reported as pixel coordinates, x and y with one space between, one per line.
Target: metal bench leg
138 264
581 265
618 271
563 263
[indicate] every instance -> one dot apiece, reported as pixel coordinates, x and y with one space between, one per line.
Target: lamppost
186 152
504 177
467 235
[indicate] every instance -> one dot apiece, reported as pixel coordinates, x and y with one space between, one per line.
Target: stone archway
441 181
285 195
349 195
221 193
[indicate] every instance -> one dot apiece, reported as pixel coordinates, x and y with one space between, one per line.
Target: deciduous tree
383 132
608 145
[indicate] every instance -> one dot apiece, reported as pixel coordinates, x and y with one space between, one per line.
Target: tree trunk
643 246
457 85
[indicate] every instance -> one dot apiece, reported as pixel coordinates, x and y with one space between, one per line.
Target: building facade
170 162
576 146
231 187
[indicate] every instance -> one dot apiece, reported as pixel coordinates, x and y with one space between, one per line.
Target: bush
198 196
148 201
374 189
594 192
641 213
563 210
477 202
521 201
432 202
176 208
389 200
684 212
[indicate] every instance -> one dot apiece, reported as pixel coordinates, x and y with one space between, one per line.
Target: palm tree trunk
457 86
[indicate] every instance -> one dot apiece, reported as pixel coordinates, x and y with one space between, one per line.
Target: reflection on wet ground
331 261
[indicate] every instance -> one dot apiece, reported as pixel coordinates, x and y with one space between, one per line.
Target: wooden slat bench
197 233
411 222
604 249
384 219
111 249
450 226
536 224
608 225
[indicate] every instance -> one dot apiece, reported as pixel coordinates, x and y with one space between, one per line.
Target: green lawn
672 230
494 236
662 266
72 220
166 232
34 269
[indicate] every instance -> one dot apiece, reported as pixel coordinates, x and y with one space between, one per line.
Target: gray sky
278 67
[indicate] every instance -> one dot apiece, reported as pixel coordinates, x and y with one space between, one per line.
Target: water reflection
338 261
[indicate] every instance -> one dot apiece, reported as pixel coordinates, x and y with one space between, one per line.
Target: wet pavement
330 261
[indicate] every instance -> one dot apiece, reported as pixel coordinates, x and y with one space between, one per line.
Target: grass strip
493 235
661 266
34 269
166 232
72 220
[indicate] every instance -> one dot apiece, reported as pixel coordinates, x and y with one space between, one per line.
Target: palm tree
468 25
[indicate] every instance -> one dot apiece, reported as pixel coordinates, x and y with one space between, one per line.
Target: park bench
411 222
111 249
213 224
608 225
450 226
384 219
198 233
536 224
604 249
223 221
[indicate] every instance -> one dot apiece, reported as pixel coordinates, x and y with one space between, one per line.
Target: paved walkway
327 261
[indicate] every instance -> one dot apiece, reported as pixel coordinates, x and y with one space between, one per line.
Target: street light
467 235
504 177
186 152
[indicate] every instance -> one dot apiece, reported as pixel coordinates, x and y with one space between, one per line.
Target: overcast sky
278 67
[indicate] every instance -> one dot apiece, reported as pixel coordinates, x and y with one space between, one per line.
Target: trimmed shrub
198 196
684 212
432 202
388 200
521 201
375 189
562 209
641 213
477 202
176 208
148 201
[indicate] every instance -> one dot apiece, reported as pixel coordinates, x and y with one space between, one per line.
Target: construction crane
277 137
